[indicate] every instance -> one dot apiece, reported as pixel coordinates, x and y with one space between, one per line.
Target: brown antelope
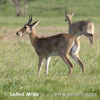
80 28
61 44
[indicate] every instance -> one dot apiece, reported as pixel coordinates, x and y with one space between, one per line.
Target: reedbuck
85 28
62 44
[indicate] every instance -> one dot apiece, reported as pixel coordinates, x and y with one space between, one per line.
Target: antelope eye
25 27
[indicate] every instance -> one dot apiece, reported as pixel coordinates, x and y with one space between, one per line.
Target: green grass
18 72
56 8
51 12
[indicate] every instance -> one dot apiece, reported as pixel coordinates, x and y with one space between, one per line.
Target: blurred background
14 13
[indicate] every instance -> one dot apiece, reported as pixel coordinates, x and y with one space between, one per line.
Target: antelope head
68 16
28 27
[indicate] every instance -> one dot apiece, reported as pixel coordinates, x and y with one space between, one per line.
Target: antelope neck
69 22
33 36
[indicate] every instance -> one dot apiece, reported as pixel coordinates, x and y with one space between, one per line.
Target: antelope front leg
40 65
47 61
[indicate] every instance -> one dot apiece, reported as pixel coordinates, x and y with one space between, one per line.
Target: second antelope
62 44
80 28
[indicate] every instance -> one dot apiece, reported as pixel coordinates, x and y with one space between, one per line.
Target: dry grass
9 34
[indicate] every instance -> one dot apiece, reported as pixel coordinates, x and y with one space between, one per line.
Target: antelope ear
35 24
73 13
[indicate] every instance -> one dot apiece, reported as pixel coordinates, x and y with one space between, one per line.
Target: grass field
19 62
18 69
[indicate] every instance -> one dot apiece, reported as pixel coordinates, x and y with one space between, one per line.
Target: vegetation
18 60
56 8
